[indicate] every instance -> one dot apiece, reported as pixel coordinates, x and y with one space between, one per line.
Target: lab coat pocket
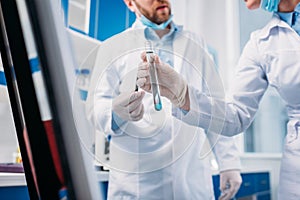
270 59
292 138
282 68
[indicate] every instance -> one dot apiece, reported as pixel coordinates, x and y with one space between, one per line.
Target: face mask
153 25
270 5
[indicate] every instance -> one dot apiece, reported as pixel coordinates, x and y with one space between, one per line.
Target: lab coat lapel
179 48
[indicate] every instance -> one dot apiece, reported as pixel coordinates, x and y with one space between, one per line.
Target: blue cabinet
254 184
14 193
262 182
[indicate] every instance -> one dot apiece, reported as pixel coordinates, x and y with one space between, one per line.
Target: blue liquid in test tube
153 76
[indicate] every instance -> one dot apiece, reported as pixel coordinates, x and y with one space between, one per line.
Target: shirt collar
150 33
288 17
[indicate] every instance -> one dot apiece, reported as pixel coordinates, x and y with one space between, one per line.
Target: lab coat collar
275 22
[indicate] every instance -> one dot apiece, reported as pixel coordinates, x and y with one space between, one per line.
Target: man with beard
168 164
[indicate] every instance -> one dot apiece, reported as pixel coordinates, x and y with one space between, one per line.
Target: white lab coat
270 58
157 157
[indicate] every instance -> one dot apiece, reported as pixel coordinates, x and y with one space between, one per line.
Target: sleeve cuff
116 122
230 165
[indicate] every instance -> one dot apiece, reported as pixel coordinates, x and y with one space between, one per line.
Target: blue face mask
153 25
270 5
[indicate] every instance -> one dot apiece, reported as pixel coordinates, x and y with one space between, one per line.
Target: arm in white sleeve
226 151
235 114
103 88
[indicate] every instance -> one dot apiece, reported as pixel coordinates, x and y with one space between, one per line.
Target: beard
156 17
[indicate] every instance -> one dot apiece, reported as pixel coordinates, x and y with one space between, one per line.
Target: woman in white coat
270 58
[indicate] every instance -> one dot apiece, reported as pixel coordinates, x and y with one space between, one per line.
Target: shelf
12 179
102 176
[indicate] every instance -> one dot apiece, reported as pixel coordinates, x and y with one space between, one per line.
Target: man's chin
162 18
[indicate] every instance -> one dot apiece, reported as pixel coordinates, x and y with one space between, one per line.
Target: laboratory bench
255 186
13 186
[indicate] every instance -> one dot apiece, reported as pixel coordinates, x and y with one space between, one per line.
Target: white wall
8 138
217 22
8 141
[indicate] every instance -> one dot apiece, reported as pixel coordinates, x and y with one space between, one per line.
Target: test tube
153 76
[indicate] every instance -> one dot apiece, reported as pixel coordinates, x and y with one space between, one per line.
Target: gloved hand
129 106
171 84
230 182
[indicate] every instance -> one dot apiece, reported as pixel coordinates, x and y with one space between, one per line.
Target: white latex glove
230 182
171 84
129 106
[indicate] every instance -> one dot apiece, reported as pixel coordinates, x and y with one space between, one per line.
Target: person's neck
287 5
161 33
